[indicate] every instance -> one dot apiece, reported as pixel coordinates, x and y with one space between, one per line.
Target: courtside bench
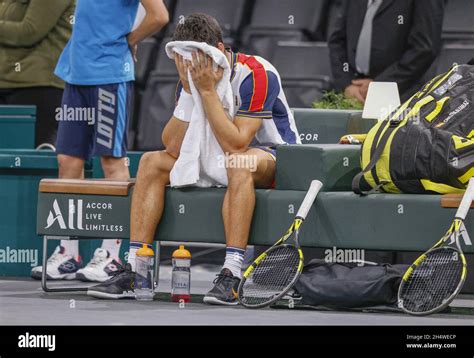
21 171
339 218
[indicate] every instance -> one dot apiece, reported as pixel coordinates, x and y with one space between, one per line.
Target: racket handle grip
308 200
466 201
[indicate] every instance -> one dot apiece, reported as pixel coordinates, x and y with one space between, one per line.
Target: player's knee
70 166
152 164
148 162
238 170
114 167
111 162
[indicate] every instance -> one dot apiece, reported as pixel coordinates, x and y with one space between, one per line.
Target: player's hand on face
204 76
182 66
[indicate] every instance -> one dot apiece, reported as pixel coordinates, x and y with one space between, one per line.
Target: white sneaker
101 268
61 266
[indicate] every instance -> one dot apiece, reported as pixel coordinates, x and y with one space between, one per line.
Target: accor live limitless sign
81 216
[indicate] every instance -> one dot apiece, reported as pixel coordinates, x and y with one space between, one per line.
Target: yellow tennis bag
427 144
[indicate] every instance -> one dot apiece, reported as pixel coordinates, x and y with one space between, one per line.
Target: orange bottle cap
181 253
145 251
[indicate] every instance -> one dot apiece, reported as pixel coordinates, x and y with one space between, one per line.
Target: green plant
336 100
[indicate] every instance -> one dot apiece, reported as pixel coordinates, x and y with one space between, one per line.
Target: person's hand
363 85
202 72
133 47
353 91
182 65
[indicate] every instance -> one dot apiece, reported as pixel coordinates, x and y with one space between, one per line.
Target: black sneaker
119 286
224 291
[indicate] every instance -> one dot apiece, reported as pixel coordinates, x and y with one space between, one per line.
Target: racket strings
274 274
433 281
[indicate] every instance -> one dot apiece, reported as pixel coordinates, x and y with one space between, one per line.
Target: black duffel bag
349 285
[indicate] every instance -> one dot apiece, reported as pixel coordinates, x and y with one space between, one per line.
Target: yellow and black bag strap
380 142
356 182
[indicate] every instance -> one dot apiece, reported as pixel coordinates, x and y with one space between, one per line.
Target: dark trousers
46 100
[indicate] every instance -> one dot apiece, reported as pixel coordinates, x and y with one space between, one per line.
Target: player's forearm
168 141
155 19
173 135
227 134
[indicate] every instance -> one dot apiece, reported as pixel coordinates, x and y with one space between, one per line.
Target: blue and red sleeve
258 91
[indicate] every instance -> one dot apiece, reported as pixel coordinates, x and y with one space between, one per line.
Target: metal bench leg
44 272
44 265
157 264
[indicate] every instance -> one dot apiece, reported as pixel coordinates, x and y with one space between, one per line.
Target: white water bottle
144 290
181 275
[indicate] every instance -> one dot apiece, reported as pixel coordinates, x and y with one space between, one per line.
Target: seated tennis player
263 121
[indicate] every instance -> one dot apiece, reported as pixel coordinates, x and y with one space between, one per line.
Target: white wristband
185 106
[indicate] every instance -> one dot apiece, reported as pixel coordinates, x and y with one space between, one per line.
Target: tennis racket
437 276
275 271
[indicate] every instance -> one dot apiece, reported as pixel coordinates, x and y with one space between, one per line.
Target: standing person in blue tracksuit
97 65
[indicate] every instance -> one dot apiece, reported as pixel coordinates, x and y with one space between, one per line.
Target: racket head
432 281
271 276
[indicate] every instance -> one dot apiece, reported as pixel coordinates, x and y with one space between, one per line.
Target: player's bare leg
239 200
146 211
107 257
70 167
149 195
66 254
253 169
115 168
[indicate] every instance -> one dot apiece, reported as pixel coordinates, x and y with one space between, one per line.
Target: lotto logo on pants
104 133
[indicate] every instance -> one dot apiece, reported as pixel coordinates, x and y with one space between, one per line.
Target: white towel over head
201 160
